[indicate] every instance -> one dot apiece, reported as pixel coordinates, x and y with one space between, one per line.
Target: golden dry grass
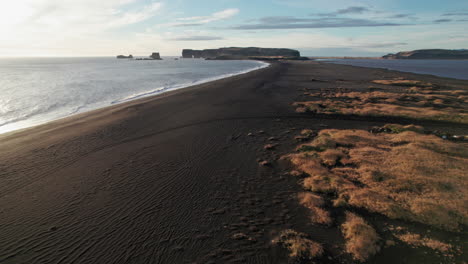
420 241
361 238
405 175
417 100
298 245
384 108
315 203
403 82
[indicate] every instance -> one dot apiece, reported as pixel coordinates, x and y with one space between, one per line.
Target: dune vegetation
398 172
411 99
402 172
404 175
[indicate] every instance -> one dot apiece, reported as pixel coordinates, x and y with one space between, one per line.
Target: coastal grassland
404 175
401 174
398 98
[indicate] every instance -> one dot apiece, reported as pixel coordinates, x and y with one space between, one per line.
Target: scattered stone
239 236
261 132
235 137
219 211
460 137
264 163
272 139
250 134
270 146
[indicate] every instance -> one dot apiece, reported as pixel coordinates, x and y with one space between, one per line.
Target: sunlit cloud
201 20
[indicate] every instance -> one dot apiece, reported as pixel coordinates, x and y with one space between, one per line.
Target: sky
315 27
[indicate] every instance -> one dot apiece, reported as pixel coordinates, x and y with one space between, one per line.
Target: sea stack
155 56
125 57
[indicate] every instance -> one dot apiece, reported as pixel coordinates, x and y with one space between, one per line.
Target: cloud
400 16
197 38
442 20
286 22
52 27
201 20
456 14
345 11
128 18
64 16
353 10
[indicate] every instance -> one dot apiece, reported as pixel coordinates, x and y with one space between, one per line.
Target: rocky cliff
430 54
240 53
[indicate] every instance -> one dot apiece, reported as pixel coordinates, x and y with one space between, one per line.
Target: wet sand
175 178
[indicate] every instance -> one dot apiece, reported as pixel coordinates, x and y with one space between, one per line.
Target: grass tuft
299 246
361 238
315 203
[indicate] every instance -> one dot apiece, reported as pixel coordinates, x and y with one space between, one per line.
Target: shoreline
175 177
133 97
465 78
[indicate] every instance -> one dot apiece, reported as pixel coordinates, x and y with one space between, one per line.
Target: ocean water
37 90
457 69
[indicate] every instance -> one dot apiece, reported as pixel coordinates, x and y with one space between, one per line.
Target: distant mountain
461 54
240 53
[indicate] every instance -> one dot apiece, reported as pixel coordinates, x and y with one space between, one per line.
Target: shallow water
457 69
37 90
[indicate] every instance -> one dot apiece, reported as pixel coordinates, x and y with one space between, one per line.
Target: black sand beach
175 178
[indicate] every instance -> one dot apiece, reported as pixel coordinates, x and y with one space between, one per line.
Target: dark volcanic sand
171 178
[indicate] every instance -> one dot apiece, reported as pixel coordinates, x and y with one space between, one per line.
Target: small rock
250 134
239 236
270 146
265 163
